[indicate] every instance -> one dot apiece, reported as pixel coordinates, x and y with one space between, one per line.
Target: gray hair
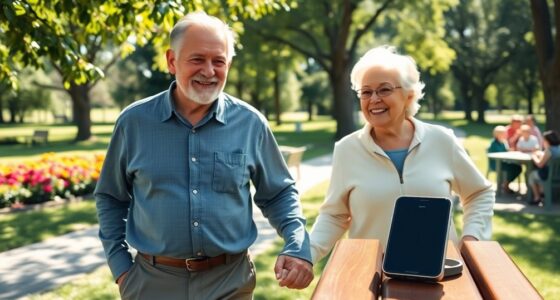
387 57
201 18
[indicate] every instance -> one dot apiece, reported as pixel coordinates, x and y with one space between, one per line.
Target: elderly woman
393 155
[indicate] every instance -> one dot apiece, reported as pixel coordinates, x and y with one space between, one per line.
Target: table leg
528 170
499 177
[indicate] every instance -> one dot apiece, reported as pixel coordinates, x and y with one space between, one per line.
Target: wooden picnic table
354 272
516 157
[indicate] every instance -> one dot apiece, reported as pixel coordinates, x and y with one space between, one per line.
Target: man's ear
170 57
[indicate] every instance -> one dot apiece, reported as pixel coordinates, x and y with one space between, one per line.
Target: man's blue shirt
184 190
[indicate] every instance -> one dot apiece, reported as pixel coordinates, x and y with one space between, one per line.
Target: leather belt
191 264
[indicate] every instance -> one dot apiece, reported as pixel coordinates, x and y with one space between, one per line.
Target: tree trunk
309 110
552 99
81 108
530 94
548 54
277 93
1 110
344 98
467 103
481 108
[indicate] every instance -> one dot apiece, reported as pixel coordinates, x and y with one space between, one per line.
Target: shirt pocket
229 170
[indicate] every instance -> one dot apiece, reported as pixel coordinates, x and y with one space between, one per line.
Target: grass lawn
24 228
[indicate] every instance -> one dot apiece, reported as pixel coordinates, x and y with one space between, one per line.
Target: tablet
418 238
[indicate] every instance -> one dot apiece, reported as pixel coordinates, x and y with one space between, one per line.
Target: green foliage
486 37
28 96
420 30
72 33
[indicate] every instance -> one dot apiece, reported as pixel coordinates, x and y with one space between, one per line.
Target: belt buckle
188 263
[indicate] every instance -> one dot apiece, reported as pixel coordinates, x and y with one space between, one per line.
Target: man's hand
293 272
121 278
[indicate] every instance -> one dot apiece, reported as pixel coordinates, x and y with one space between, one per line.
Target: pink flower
47 188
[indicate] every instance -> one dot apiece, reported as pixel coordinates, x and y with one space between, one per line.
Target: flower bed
49 177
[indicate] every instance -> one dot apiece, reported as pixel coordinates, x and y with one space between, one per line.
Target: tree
29 96
485 36
83 39
134 77
261 72
548 54
330 33
519 80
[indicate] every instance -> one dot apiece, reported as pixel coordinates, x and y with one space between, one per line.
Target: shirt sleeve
334 215
277 197
112 196
476 194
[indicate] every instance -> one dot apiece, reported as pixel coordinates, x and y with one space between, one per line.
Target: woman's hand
466 238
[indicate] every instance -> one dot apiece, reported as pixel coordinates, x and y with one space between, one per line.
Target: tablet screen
418 237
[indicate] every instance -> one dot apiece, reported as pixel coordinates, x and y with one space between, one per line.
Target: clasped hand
293 272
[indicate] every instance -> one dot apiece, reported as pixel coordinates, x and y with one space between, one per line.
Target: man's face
201 65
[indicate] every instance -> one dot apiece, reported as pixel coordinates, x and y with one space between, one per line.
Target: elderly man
175 183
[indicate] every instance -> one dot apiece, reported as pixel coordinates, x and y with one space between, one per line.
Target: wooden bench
293 156
61 118
38 137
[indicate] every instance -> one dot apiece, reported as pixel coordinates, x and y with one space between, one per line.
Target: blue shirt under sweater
184 190
397 157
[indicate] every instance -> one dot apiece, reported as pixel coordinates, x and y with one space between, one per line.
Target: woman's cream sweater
365 184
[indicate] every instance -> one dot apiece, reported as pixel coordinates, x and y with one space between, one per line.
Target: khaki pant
234 280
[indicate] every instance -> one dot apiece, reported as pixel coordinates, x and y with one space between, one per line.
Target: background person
178 170
499 144
530 120
513 131
393 155
541 158
527 142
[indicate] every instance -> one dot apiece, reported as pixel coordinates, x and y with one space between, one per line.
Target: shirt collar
217 109
369 143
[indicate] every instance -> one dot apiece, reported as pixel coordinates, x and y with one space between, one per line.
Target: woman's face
385 111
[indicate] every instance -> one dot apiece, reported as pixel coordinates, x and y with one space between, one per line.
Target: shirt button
193 130
195 223
199 253
195 192
193 159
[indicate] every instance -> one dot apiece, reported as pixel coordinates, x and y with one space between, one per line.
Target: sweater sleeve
334 214
476 194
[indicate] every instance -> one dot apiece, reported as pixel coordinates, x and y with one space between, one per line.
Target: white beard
205 97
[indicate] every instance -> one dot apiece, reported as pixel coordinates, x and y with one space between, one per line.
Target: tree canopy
83 39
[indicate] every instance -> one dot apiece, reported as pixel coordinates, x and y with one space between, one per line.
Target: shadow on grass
537 242
24 228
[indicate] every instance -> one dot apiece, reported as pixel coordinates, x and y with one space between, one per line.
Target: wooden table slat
496 275
353 271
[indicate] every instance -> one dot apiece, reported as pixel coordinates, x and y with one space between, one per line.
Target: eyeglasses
383 91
